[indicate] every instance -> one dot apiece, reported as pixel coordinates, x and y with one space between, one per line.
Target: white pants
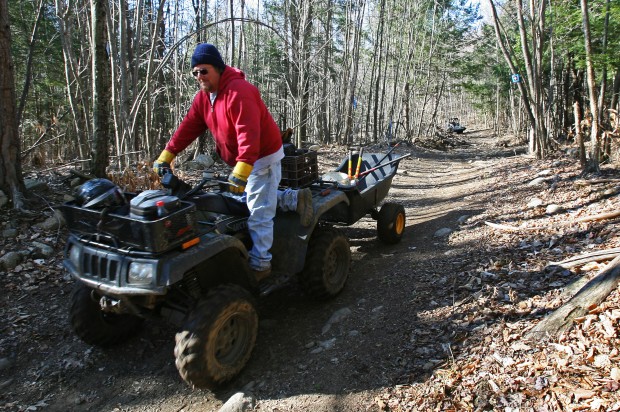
261 196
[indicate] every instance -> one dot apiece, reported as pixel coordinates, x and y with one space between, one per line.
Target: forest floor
436 322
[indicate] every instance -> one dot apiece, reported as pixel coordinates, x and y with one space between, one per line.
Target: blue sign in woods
516 78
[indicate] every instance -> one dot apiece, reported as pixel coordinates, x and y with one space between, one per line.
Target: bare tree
576 87
350 99
232 34
601 97
101 90
27 77
11 180
509 57
74 84
301 21
595 143
534 68
616 91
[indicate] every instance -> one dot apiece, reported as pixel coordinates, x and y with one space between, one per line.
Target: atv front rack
118 229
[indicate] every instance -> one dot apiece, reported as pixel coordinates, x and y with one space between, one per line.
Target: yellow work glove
162 164
239 177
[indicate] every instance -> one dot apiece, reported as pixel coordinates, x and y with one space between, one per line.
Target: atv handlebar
183 190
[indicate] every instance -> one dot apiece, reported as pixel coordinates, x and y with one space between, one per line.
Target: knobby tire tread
312 277
94 326
191 354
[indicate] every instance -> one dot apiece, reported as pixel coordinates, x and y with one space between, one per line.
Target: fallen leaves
495 368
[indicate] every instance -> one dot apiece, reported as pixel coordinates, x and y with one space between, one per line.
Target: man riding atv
246 138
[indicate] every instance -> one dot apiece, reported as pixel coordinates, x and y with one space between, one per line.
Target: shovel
372 169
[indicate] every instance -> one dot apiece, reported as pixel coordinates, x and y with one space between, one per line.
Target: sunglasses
201 71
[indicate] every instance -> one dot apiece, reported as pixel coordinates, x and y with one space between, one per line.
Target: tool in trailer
350 163
359 162
372 169
388 153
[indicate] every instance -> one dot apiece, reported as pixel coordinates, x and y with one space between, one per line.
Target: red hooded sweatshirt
242 127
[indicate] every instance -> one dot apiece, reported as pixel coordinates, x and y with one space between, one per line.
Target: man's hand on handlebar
161 166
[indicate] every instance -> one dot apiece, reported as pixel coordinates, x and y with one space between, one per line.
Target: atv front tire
327 264
95 326
391 223
217 340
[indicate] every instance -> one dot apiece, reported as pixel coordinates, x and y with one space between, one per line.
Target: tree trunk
438 94
124 107
160 118
241 47
324 122
525 99
11 180
566 97
427 82
197 21
151 80
344 79
33 39
595 143
377 79
616 93
578 114
592 294
232 34
349 106
101 90
304 20
534 69
80 107
601 97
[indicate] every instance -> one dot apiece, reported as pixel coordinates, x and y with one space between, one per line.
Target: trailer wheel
218 337
327 264
95 326
391 223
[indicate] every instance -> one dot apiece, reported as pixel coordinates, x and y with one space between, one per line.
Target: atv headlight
141 273
74 256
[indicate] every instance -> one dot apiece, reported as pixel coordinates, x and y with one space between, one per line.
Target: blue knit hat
206 53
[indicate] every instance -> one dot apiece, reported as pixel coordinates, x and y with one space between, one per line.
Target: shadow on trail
405 318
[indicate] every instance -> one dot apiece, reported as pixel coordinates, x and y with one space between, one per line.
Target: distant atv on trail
182 254
455 126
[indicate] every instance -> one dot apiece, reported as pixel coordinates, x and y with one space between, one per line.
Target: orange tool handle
359 162
350 161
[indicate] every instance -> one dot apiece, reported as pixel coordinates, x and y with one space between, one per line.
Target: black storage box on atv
145 205
137 225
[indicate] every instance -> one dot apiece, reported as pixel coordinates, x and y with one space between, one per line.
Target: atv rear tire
391 223
327 264
95 326
218 337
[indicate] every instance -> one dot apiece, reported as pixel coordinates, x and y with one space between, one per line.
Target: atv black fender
218 258
290 240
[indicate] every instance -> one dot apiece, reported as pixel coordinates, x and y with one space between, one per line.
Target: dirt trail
381 335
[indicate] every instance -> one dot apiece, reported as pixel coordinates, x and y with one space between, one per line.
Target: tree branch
592 294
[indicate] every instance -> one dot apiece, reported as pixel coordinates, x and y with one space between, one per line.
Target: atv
181 254
455 126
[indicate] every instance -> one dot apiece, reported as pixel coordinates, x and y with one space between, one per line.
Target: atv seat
218 203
